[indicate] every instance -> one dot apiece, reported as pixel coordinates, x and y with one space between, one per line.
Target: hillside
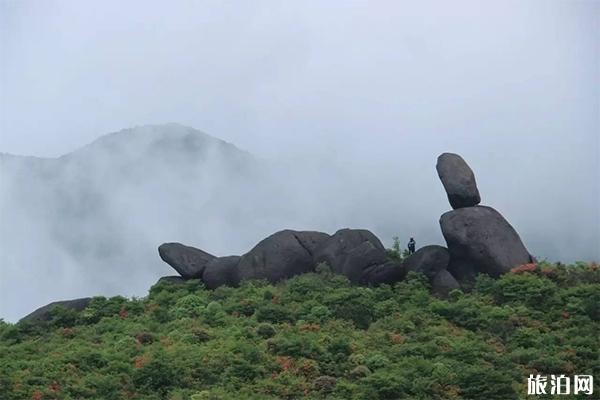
314 336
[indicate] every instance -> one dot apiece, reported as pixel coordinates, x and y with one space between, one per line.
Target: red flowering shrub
531 267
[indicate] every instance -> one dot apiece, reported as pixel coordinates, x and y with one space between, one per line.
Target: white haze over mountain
89 222
342 107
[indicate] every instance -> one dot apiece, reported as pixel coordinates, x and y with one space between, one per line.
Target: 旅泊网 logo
560 384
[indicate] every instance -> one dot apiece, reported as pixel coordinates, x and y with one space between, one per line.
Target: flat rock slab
173 279
458 180
45 313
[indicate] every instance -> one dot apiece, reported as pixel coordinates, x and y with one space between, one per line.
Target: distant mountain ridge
101 207
149 139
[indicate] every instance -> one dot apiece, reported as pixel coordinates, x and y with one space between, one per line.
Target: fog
339 110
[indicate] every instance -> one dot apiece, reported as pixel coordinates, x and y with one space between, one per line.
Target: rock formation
356 253
282 255
186 260
45 313
173 279
458 180
351 252
479 239
443 283
222 271
428 260
389 273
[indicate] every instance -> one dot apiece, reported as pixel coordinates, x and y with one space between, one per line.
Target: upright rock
351 252
188 261
482 239
428 260
458 180
45 313
282 255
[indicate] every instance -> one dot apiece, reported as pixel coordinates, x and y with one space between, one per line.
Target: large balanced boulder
45 313
458 180
428 260
188 261
222 271
482 239
282 255
351 252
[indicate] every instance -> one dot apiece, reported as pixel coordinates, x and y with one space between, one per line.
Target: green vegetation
396 253
315 337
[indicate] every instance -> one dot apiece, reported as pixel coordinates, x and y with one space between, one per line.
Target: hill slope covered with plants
315 336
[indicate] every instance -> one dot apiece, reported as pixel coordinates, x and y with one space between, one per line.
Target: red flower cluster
140 361
54 387
397 338
284 362
524 268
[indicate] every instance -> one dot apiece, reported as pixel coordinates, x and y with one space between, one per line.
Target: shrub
325 384
157 375
265 330
274 313
359 372
314 336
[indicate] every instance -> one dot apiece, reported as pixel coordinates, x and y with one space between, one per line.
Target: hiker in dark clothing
411 246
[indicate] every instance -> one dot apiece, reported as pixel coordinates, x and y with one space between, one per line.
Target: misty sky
378 88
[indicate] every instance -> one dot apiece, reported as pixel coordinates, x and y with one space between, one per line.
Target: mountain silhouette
91 219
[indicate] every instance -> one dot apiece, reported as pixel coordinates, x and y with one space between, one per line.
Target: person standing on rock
411 246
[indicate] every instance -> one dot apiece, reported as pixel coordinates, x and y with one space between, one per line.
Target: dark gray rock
428 260
351 252
443 283
311 240
174 279
480 237
458 180
280 256
389 273
222 271
188 261
45 313
462 270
